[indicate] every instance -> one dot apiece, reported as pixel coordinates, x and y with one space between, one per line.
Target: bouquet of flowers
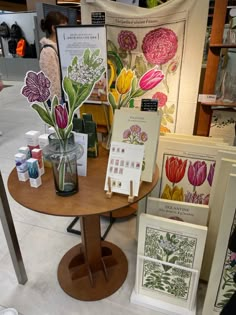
78 84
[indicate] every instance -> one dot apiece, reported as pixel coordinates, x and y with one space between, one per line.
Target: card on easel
124 165
139 128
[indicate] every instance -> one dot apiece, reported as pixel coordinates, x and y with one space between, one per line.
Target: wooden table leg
94 269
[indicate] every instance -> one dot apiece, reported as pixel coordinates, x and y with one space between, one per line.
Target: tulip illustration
150 79
128 87
172 194
197 173
61 116
123 83
211 173
175 169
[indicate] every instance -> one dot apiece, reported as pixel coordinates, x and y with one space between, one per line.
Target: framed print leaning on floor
178 244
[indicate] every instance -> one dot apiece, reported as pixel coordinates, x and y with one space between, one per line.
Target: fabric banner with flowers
154 53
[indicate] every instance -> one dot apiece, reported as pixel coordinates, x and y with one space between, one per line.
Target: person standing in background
49 61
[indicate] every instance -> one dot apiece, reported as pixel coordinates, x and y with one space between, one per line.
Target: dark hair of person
53 18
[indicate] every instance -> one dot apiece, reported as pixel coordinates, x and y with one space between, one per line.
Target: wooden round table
93 269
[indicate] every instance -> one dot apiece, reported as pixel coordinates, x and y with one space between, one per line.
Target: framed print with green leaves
171 253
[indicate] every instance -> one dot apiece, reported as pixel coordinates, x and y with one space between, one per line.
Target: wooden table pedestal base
78 281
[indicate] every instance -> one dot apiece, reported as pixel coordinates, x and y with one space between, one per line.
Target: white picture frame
217 292
154 241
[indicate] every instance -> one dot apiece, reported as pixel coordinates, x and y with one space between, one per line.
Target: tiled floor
44 240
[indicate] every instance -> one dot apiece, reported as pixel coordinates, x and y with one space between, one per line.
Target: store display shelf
220 45
219 103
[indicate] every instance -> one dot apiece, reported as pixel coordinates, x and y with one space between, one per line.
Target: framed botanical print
171 253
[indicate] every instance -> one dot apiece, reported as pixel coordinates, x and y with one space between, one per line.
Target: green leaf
43 114
133 84
170 119
163 121
138 93
171 109
83 95
55 101
69 90
68 130
74 61
111 46
95 53
111 100
86 56
115 58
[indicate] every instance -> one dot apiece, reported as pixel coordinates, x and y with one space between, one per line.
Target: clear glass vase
63 155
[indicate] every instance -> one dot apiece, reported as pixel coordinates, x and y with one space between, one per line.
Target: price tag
207 98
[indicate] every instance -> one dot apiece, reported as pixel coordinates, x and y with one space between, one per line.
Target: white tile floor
43 239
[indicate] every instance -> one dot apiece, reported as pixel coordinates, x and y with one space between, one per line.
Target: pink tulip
150 79
197 173
61 116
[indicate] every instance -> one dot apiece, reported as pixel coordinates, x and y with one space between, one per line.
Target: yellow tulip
115 94
172 194
123 82
166 192
177 194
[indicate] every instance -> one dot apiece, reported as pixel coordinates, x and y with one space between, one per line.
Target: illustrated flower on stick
82 74
129 87
175 171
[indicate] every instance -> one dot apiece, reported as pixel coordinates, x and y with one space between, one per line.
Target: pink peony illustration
127 40
160 45
161 97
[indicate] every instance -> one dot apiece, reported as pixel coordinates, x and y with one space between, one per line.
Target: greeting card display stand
147 300
109 193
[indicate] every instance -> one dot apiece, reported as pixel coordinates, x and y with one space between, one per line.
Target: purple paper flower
150 79
211 173
160 45
37 87
61 115
127 40
197 173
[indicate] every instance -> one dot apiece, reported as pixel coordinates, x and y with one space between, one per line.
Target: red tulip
61 115
175 169
150 79
197 173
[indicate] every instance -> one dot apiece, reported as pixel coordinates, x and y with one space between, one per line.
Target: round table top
91 198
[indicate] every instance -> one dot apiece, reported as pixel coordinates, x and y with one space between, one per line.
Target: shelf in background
222 45
219 103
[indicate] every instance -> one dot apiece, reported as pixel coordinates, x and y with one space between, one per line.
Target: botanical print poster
186 179
153 53
227 285
169 247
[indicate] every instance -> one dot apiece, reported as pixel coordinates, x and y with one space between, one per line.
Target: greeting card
139 128
124 166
